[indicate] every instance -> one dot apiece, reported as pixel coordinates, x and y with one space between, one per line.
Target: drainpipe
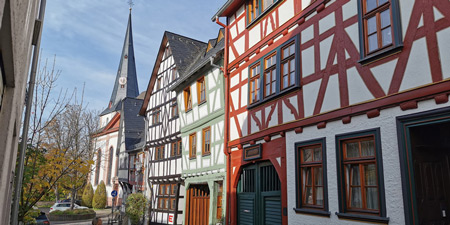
26 124
227 99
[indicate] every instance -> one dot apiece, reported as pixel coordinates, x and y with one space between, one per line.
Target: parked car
64 206
41 219
78 202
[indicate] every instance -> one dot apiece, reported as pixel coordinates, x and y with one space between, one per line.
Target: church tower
126 84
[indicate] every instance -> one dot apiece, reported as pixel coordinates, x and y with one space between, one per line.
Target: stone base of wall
70 217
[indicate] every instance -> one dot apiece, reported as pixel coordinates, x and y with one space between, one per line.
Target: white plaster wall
391 162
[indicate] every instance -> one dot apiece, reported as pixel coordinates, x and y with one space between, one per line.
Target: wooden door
430 145
431 173
197 205
259 195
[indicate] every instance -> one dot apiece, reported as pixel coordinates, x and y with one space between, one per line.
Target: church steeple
126 84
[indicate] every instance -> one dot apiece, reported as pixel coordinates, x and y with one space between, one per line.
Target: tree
55 148
136 206
88 195
99 201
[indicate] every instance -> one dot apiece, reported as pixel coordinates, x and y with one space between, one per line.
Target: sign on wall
252 152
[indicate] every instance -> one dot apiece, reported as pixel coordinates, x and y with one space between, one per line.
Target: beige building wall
17 19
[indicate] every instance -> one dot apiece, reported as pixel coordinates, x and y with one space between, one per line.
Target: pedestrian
97 221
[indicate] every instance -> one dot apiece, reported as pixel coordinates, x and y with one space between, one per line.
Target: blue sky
87 38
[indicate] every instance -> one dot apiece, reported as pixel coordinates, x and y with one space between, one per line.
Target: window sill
192 157
273 96
202 102
363 217
380 55
188 110
206 154
317 212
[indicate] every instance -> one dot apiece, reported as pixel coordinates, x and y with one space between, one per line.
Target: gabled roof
184 51
111 126
202 60
127 69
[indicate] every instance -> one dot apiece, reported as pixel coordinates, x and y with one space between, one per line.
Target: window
174 73
206 139
167 52
97 171
254 83
270 76
187 99
257 7
192 146
380 26
266 79
158 83
159 153
311 178
201 90
174 109
156 117
361 185
167 196
110 162
288 66
176 148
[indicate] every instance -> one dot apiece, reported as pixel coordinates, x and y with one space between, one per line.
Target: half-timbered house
200 97
121 127
337 111
163 132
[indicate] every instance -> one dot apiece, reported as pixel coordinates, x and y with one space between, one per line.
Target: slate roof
134 124
202 59
184 49
127 68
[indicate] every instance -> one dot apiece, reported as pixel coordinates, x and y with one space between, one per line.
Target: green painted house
200 96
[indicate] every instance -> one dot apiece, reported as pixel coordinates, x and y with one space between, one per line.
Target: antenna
130 3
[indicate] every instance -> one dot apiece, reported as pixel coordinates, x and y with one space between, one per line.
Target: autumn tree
55 148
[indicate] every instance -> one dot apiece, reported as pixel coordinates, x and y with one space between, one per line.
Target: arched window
97 167
110 162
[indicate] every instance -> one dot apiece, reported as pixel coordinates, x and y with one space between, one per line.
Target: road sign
114 193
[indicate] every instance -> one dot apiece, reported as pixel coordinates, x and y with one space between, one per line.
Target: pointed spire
126 84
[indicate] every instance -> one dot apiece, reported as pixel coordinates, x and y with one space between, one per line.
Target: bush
136 206
88 195
30 216
73 212
99 201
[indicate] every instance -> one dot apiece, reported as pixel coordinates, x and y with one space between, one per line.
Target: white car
65 206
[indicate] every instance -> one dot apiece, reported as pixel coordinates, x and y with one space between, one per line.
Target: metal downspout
26 123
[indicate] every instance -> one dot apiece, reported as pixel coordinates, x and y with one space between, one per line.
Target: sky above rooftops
87 38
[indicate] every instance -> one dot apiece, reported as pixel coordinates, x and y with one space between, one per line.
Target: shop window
361 184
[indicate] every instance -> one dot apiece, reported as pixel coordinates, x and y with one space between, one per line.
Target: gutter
221 10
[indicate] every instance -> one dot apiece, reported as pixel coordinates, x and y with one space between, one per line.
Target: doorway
425 157
259 195
197 205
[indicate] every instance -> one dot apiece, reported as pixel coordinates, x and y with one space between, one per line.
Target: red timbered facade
322 78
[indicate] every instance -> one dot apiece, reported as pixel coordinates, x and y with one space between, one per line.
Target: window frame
261 62
261 10
397 39
159 153
158 83
174 109
287 59
173 72
175 148
254 80
156 117
193 146
301 207
187 99
201 88
357 214
204 143
269 70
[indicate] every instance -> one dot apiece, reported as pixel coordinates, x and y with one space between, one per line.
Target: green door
259 195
